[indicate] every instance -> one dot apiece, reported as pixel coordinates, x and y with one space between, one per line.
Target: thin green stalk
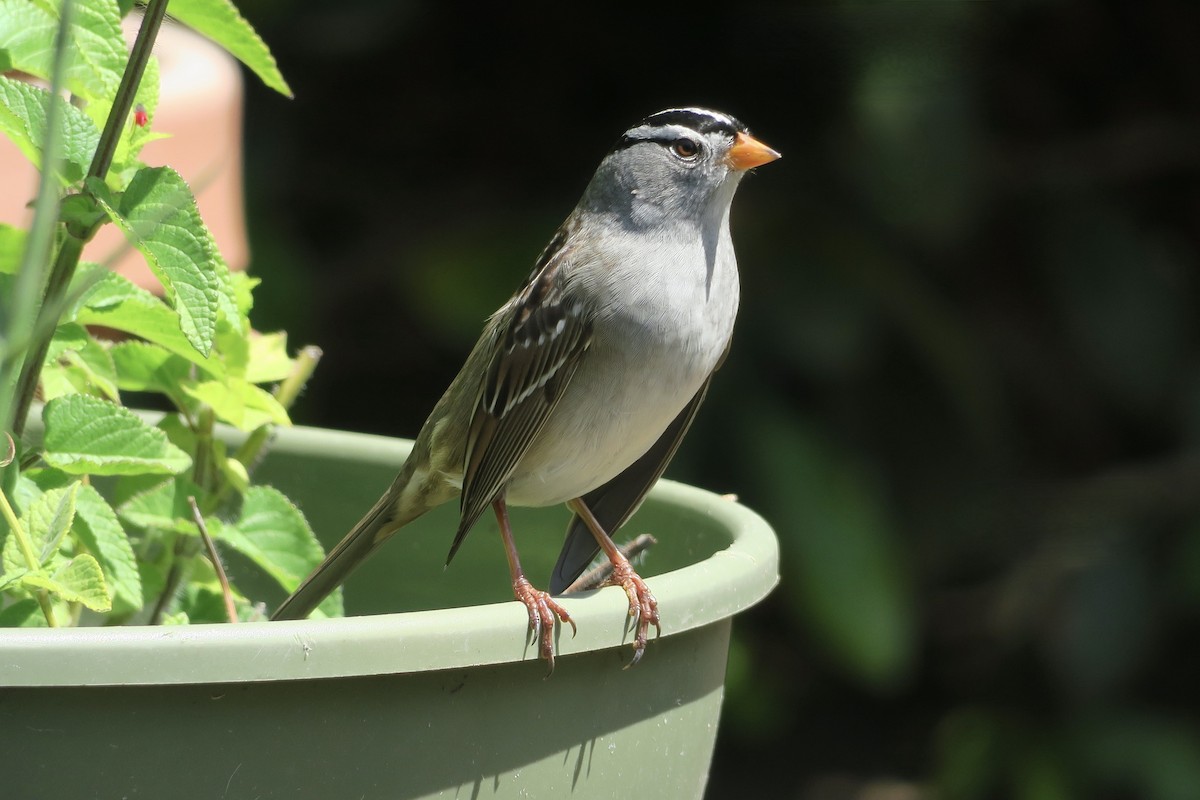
31 560
67 260
23 305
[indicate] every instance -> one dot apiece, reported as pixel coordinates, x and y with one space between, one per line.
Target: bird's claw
542 614
643 608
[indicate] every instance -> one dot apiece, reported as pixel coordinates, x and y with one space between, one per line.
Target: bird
582 386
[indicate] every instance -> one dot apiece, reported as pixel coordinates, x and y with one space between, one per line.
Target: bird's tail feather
371 531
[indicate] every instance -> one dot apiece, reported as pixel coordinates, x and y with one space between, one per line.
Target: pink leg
542 609
642 605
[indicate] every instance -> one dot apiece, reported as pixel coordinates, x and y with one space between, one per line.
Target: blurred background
965 386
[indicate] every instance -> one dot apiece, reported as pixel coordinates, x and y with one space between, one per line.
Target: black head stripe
656 127
700 120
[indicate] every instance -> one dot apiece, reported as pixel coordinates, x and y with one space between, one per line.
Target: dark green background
965 386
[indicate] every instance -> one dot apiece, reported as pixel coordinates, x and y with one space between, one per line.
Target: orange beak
748 152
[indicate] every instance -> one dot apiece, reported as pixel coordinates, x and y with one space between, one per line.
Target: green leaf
67 336
23 614
146 367
96 50
115 302
158 215
164 507
243 291
273 533
97 527
45 522
239 403
48 520
11 576
78 581
23 110
89 435
98 53
221 22
77 363
269 361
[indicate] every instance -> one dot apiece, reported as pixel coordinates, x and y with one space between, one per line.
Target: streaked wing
614 503
542 334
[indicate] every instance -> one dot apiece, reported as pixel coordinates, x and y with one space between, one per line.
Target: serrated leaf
23 111
87 435
45 522
97 527
115 302
80 580
221 22
239 403
96 51
158 215
243 291
273 533
48 520
12 560
99 54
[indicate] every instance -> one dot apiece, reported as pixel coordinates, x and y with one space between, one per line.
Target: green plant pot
444 699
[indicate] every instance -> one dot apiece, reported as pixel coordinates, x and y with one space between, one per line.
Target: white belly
643 367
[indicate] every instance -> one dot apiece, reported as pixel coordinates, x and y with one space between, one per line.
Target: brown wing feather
543 333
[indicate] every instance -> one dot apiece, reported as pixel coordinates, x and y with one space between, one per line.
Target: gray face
671 166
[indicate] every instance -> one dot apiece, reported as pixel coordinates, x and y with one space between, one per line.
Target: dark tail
370 532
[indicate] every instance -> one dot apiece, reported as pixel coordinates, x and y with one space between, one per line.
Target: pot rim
729 581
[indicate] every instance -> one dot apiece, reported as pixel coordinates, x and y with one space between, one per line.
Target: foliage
131 552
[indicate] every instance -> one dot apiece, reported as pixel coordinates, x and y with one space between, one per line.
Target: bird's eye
685 148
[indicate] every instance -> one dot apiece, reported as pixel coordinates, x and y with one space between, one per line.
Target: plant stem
31 560
306 362
215 558
72 248
31 370
139 56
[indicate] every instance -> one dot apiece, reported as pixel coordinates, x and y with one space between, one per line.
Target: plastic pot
445 698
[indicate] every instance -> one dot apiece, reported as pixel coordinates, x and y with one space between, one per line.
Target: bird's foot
643 608
542 613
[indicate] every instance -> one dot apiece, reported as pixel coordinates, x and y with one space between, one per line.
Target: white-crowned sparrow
584 383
